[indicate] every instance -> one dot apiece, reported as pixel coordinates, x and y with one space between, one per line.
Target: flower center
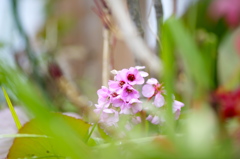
114 94
129 90
121 83
131 77
158 87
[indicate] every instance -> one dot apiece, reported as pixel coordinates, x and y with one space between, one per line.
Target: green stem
94 126
90 134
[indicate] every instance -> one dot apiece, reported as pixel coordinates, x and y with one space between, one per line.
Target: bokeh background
192 46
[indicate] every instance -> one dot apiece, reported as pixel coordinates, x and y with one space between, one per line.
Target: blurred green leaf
169 75
189 53
207 43
30 147
229 62
30 97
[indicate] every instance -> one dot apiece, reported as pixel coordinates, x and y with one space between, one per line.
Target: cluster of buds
121 98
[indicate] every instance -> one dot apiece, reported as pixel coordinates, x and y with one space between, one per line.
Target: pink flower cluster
122 98
120 94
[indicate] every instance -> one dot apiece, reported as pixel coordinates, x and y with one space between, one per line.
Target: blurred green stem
91 132
169 73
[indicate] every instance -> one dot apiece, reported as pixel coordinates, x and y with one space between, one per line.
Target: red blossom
229 102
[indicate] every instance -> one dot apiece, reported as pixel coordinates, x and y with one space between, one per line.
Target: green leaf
50 146
13 112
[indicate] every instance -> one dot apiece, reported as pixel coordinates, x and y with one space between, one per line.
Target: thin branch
131 37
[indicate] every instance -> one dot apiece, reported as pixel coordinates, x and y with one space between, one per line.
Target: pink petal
114 72
148 90
149 118
122 75
156 120
125 111
108 117
177 105
136 107
139 67
152 81
117 102
134 100
177 108
114 86
136 120
139 79
143 74
177 114
159 100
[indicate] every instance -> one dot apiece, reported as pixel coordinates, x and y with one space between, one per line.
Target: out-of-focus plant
200 59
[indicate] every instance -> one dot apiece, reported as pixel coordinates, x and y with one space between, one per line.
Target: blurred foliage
1 44
199 58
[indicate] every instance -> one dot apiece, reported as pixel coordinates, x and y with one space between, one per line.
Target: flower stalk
106 56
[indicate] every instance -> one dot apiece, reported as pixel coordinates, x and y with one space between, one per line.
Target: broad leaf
50 146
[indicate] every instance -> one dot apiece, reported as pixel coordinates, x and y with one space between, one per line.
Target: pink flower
104 97
131 76
153 119
128 93
122 98
116 85
131 107
108 117
177 108
151 89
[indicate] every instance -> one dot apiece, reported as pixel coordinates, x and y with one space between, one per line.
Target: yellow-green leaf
13 112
